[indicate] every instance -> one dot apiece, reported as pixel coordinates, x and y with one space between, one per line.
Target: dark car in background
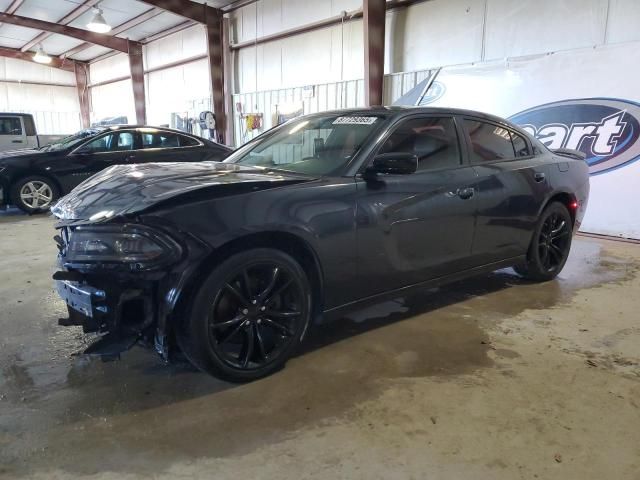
232 262
33 179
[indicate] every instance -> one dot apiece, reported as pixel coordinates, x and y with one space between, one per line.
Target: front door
419 226
112 148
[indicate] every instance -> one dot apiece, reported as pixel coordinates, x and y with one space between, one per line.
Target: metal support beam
228 81
373 15
212 19
13 6
115 43
319 25
216 69
137 81
82 84
68 18
123 27
185 8
28 57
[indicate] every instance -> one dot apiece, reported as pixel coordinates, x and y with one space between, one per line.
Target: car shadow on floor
149 383
404 307
434 334
14 215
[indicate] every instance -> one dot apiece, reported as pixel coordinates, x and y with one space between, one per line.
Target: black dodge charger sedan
34 179
232 262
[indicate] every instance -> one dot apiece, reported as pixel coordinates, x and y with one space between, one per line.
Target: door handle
465 193
130 158
16 141
539 177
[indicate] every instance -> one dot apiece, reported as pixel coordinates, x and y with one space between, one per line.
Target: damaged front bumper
123 313
127 303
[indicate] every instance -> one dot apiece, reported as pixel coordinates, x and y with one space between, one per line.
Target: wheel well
567 200
288 243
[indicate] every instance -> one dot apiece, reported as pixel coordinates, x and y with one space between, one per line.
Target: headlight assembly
138 246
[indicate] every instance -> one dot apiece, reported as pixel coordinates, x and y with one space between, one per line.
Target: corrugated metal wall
313 99
55 108
56 123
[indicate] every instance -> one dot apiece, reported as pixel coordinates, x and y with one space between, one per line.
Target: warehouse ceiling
130 19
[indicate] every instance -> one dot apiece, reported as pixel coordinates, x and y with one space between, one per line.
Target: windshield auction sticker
354 121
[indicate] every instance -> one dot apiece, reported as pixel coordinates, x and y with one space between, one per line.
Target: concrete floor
489 378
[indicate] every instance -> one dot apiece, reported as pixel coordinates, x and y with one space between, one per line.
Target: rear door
115 147
512 185
12 133
415 227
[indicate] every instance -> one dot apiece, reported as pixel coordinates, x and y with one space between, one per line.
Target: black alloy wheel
553 241
249 316
550 245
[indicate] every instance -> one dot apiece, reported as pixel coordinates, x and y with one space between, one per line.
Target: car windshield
72 140
317 145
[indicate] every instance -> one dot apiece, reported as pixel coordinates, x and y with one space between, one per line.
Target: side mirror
394 162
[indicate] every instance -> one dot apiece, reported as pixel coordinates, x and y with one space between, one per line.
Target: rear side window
188 141
489 142
519 145
160 140
10 126
432 139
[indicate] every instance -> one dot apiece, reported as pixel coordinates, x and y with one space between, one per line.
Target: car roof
106 128
396 110
138 126
400 111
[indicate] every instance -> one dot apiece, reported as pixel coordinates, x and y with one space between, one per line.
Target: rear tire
248 317
550 245
34 194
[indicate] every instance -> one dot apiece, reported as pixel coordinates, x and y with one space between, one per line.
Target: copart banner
583 99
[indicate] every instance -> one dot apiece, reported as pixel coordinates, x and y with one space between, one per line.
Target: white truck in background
18 130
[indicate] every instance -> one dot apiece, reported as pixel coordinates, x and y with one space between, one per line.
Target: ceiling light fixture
41 56
98 24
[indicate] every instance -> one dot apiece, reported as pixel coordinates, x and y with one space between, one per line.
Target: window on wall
433 140
489 142
10 126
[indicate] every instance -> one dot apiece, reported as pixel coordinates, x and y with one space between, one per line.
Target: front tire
34 194
248 317
550 245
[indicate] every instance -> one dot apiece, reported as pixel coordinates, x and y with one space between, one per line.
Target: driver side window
432 139
111 142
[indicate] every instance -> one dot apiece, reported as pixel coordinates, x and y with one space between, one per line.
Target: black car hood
125 189
24 152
